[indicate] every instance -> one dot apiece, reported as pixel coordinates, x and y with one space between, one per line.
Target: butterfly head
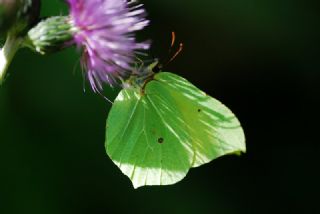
144 70
157 65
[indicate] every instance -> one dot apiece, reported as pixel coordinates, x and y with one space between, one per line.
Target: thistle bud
50 35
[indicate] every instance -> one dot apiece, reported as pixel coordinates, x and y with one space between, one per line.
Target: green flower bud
50 35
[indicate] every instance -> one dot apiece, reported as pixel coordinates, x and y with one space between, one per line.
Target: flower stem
7 53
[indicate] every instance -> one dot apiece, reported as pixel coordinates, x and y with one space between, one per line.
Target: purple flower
104 29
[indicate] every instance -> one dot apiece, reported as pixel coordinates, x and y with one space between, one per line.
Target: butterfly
164 126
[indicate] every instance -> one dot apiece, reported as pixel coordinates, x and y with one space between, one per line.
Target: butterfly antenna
173 38
177 53
173 42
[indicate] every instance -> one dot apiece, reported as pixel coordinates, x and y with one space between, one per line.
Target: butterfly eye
157 68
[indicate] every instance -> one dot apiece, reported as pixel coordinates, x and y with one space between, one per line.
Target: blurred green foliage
260 58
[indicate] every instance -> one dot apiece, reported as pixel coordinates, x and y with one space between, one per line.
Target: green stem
7 53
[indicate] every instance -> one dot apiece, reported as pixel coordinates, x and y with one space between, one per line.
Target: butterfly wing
141 142
213 129
155 137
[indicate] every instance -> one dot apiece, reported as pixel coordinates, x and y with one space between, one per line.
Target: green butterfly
159 130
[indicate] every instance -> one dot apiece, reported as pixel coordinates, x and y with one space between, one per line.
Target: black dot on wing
160 140
199 110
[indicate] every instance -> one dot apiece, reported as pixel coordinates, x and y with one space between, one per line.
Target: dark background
260 58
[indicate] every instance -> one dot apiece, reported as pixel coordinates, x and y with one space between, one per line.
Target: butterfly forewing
143 145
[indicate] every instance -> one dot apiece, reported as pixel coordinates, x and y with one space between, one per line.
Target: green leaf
156 134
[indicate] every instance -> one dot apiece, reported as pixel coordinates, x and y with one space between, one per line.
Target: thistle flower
104 30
